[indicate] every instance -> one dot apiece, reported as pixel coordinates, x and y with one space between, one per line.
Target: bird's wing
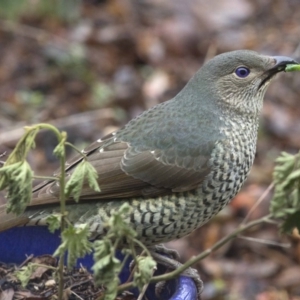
165 168
125 172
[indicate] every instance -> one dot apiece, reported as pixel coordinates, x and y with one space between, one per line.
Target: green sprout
292 67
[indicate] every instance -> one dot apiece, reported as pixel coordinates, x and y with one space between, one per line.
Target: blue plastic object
18 242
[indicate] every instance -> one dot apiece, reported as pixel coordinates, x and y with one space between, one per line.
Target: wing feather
125 171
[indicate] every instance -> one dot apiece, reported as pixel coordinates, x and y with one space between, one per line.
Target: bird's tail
9 220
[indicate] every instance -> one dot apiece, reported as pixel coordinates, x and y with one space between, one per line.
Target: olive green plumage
179 163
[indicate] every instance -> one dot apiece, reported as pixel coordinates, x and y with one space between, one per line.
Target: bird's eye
242 72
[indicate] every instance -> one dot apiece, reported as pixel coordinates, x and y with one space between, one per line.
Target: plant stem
202 255
62 199
50 178
76 149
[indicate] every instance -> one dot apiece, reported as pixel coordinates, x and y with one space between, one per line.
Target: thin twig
28 258
265 242
77 295
76 149
76 284
258 202
44 266
141 295
1 155
202 255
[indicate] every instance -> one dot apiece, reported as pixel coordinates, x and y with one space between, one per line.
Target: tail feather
10 220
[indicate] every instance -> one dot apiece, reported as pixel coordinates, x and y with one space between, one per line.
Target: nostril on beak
282 61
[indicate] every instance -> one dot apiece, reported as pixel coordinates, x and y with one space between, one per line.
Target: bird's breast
230 164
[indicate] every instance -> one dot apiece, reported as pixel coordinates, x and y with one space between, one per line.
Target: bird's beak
282 61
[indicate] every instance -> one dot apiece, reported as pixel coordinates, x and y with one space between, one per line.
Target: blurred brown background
90 66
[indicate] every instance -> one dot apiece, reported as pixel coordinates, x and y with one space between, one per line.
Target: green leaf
53 221
60 150
291 222
292 67
145 267
286 200
75 241
83 172
294 175
91 175
23 146
17 178
19 154
118 226
25 273
106 268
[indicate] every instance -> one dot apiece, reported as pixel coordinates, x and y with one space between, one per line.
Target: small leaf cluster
16 177
24 274
75 241
286 201
84 171
16 174
107 267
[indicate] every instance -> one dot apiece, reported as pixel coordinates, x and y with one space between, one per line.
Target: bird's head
239 79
